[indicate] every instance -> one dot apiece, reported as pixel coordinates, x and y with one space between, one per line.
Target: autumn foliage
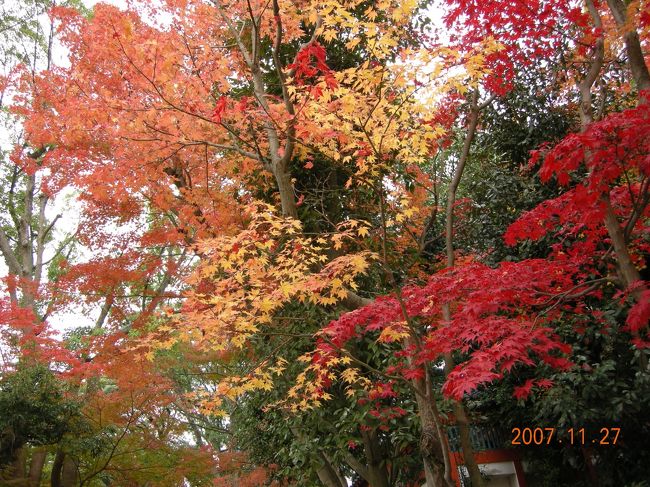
271 201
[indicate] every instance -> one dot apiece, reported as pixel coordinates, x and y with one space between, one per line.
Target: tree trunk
377 475
635 56
464 435
19 464
628 273
57 466
36 467
327 473
285 188
70 472
592 475
459 409
431 446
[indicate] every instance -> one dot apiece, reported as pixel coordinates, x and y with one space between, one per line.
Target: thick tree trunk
277 163
431 445
69 472
36 467
19 464
377 474
636 60
374 472
328 474
287 195
57 466
377 477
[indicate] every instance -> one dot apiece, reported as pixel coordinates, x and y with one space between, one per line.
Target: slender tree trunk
635 56
628 273
464 429
458 408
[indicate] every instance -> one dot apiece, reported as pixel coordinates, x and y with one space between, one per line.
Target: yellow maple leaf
393 333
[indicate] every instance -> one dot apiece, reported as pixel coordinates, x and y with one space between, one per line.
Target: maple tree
473 373
56 437
264 192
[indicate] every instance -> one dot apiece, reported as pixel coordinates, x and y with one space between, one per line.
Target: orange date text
572 436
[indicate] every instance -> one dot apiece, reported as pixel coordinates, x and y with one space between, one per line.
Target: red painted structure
489 448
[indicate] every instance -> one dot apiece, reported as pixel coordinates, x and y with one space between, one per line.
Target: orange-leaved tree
175 120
